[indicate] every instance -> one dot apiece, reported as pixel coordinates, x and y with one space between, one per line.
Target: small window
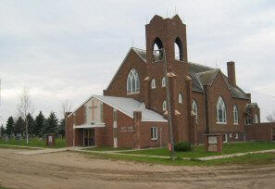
237 136
235 115
180 98
153 84
163 82
154 133
164 106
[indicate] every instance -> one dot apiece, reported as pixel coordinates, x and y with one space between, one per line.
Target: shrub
183 147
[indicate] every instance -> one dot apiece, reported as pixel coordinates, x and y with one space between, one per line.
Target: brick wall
260 132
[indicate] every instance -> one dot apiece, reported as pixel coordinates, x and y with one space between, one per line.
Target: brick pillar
193 130
137 124
188 84
147 92
173 100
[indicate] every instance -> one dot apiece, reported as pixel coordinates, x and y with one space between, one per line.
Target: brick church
133 112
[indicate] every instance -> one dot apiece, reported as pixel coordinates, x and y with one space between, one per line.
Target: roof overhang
89 126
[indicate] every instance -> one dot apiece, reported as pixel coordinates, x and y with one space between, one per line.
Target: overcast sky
69 49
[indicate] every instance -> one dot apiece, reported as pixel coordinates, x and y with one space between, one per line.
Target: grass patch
250 159
34 142
1 187
199 151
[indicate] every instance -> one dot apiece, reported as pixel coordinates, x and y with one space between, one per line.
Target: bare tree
66 107
24 108
271 117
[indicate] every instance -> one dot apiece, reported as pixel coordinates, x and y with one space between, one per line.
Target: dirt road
79 171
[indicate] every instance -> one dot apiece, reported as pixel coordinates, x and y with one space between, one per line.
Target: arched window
133 83
157 50
256 118
180 98
235 114
221 111
178 49
195 109
164 105
163 82
153 84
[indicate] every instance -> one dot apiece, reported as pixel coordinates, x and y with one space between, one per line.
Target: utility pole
168 100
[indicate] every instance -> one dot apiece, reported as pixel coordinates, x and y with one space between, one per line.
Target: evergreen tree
19 126
10 126
51 124
31 124
2 131
39 125
61 128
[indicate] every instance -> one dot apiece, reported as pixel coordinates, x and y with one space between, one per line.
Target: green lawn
199 151
106 148
34 142
250 159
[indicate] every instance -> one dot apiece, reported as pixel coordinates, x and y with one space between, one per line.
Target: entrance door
88 137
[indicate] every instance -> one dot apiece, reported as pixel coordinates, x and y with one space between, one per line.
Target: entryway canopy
88 126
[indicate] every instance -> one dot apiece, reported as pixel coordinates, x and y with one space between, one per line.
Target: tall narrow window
180 98
157 50
164 105
221 111
154 133
133 83
153 84
195 109
256 118
163 82
178 49
235 115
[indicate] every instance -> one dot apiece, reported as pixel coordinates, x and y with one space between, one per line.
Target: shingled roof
202 75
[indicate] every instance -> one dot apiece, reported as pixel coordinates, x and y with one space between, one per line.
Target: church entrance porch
84 135
88 137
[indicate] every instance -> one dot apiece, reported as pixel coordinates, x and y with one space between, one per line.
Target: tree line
37 127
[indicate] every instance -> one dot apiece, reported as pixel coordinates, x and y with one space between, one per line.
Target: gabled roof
128 106
202 75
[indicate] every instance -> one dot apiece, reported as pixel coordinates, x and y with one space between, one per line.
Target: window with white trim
235 115
154 133
163 82
164 105
153 84
195 109
133 83
237 136
221 111
180 98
